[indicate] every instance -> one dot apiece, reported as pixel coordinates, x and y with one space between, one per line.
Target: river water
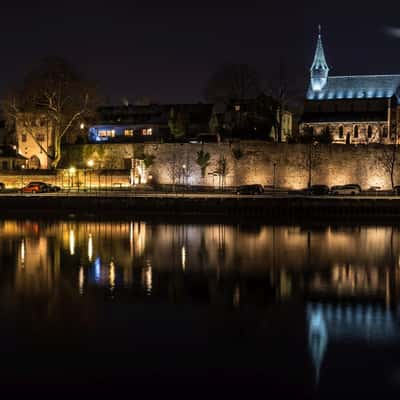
305 310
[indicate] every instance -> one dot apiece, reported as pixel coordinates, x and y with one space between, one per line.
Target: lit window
237 107
128 132
147 131
106 133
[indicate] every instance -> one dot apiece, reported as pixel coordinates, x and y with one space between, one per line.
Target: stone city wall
285 165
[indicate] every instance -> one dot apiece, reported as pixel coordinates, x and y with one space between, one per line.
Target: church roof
357 87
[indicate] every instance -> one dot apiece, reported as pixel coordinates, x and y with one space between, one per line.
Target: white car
352 189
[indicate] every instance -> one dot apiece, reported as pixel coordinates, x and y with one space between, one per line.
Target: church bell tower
319 68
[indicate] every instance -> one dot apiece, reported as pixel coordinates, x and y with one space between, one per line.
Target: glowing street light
90 163
82 126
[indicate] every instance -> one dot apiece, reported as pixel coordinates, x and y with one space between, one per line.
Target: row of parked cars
350 189
36 187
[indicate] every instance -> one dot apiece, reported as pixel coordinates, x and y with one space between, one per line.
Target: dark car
35 187
2 186
53 188
318 190
250 189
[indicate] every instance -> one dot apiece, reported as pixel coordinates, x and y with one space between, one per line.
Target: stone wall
176 163
260 162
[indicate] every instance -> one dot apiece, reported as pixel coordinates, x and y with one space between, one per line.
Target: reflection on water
344 280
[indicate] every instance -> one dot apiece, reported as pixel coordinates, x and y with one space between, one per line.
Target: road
118 194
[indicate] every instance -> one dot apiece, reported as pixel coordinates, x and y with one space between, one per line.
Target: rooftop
357 87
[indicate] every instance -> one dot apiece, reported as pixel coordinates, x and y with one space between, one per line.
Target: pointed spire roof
319 57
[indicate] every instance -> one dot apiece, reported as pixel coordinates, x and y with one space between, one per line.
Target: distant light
82 126
72 170
90 163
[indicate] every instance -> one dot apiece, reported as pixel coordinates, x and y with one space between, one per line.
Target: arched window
369 132
340 132
355 132
34 162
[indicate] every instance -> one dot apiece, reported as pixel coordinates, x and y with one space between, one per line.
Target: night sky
166 50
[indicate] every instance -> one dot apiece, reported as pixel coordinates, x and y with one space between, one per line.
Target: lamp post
72 171
90 165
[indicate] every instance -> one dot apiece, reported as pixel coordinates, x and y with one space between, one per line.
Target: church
354 109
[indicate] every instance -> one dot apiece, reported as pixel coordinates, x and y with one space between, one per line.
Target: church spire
319 68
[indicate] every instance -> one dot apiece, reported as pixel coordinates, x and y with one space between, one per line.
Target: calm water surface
311 311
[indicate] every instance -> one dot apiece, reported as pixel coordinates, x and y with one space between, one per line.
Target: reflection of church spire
317 339
319 68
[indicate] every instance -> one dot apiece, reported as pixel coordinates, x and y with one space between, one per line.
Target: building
254 119
35 140
10 159
148 123
356 109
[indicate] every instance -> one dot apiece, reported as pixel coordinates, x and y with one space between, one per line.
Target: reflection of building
354 108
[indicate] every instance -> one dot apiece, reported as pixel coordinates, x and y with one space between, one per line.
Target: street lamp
72 171
90 165
184 172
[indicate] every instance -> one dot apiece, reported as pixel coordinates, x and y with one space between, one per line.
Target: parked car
396 190
2 186
351 189
250 189
35 187
318 190
53 188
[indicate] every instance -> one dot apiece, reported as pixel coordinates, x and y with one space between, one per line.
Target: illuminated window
237 107
340 132
106 133
128 132
356 131
40 137
147 131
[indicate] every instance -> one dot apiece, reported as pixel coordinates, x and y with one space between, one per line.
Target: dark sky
166 49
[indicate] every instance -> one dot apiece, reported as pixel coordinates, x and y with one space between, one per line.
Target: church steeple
319 68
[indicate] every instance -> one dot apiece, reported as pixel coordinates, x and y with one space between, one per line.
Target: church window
369 132
340 132
356 131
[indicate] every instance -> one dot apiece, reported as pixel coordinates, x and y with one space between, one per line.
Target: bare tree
57 93
388 159
310 161
222 170
285 95
233 82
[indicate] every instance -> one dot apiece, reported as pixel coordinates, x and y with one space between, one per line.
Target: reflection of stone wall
333 164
